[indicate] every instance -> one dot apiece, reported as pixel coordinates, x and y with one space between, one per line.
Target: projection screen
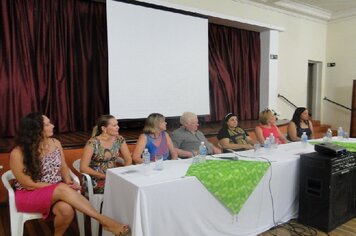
158 61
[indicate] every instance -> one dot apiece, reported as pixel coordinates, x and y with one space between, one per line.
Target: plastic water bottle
146 161
340 133
203 151
272 141
304 139
329 135
256 147
267 144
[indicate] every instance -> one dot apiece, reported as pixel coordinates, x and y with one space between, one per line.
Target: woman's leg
63 216
64 193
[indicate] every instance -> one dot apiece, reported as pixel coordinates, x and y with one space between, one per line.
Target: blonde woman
267 127
102 151
155 139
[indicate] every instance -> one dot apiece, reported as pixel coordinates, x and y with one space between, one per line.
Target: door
314 89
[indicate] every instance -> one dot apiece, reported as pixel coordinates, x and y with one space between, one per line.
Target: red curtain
234 68
53 58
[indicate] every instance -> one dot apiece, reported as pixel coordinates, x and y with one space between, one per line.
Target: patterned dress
50 169
103 158
40 200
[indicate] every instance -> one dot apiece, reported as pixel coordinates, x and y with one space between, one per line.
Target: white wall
301 40
269 69
341 49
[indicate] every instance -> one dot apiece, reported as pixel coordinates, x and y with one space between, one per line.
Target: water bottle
340 133
146 161
267 144
304 139
203 151
329 135
256 147
272 141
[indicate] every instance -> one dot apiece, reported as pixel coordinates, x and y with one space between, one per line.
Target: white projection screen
158 61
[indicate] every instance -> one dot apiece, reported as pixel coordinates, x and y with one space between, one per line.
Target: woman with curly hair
43 183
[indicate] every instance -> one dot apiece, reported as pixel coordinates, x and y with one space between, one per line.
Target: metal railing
287 100
338 104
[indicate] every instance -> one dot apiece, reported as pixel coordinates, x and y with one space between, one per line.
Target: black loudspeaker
327 190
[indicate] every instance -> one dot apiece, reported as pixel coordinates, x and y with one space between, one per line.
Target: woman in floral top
43 182
102 151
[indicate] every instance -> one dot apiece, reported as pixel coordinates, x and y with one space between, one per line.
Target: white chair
80 215
96 200
18 219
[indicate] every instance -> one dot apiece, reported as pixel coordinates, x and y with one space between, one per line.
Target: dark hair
296 115
226 119
28 138
102 121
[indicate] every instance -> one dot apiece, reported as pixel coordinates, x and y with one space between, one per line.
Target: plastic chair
80 215
96 200
18 219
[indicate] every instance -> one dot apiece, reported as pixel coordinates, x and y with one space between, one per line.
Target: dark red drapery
53 58
234 68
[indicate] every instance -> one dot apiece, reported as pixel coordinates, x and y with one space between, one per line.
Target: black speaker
327 190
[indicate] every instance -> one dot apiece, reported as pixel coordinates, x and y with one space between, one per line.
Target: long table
169 203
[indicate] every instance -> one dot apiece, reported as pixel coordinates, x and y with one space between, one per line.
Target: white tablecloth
168 203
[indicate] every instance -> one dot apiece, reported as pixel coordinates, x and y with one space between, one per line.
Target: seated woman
155 139
231 136
267 127
300 123
43 183
102 152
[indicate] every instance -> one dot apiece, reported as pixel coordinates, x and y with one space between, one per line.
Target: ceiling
322 9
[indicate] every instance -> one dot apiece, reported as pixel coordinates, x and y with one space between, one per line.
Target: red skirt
35 201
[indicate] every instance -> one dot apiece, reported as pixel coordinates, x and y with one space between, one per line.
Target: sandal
125 230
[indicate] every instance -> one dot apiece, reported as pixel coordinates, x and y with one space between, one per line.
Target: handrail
327 99
286 99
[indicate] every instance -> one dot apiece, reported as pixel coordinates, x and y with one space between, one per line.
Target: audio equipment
327 190
330 149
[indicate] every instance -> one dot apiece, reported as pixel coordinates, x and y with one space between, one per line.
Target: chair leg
94 223
97 204
94 227
81 223
16 224
17 229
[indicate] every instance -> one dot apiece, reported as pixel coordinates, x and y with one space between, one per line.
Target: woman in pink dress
43 183
267 127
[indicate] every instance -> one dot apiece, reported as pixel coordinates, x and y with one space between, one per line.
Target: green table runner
351 147
231 182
